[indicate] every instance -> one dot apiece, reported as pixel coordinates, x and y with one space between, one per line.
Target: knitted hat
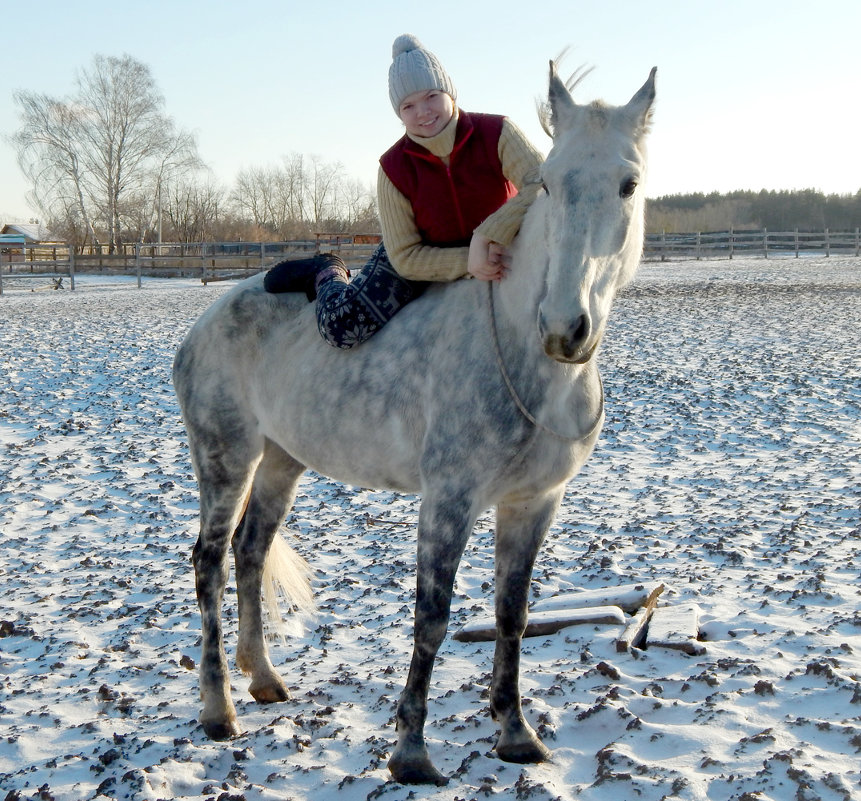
415 69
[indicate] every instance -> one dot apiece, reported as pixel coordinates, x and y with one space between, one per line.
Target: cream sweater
419 262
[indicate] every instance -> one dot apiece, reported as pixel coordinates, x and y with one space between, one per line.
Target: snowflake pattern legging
349 313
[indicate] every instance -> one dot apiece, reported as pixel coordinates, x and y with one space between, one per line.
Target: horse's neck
515 302
521 290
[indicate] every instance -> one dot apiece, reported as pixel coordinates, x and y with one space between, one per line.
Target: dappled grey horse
476 395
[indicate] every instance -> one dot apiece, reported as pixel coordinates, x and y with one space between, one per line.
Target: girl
452 194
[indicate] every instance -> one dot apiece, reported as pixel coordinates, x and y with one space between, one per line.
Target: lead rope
513 392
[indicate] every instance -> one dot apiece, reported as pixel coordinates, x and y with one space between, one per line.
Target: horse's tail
286 573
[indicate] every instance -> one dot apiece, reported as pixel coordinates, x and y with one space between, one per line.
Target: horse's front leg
521 527
444 526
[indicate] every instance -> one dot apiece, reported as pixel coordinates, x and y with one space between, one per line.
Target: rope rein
513 392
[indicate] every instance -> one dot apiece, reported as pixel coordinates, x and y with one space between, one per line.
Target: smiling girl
452 194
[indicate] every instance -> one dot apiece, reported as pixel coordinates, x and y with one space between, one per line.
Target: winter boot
305 275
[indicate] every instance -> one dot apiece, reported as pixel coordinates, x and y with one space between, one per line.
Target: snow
728 469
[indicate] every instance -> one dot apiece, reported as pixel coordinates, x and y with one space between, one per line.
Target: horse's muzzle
573 344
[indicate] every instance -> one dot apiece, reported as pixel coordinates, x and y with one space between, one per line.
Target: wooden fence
210 261
220 261
761 242
54 261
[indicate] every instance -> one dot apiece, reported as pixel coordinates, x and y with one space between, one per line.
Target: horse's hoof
420 771
527 752
270 693
220 730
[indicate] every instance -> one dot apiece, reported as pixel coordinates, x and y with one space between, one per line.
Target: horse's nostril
580 329
570 339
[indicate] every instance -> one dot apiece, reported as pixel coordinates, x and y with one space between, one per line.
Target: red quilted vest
449 202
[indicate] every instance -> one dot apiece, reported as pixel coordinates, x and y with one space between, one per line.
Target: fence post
664 245
827 243
71 246
262 255
796 243
731 242
203 263
857 243
765 241
699 242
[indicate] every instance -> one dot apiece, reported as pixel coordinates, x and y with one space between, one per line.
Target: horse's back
359 415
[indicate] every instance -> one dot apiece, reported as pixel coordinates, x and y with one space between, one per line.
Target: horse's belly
350 430
380 462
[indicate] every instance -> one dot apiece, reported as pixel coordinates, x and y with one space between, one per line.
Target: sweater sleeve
521 164
412 259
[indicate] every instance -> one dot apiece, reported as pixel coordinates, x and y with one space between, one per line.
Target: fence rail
219 261
211 261
726 244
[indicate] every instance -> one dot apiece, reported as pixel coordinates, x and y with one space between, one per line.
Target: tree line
107 165
786 210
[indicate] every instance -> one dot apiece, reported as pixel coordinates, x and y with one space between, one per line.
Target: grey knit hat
415 69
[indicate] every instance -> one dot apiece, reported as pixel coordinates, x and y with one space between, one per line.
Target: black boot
300 275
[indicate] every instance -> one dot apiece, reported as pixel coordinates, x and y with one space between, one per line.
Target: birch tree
49 155
103 152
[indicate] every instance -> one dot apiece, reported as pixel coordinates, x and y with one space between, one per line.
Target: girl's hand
488 261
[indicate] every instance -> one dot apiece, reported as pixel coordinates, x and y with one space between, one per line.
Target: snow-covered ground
728 469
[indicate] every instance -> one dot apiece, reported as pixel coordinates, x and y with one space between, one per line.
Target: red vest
450 202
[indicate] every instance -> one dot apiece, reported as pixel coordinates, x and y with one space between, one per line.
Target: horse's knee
430 629
511 623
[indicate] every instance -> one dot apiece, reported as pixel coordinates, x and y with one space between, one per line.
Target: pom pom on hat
415 69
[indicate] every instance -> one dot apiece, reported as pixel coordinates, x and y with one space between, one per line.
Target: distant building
33 233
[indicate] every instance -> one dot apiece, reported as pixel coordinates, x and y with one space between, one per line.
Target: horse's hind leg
521 527
272 494
224 474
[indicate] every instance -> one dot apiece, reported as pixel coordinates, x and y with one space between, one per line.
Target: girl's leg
350 312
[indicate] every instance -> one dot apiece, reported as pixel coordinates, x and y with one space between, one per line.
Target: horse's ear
560 105
641 104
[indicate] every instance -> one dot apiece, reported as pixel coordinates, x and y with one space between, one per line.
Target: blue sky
751 95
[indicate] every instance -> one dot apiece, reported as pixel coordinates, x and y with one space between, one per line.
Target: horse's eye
627 188
544 187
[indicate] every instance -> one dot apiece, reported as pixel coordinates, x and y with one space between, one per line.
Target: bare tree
292 196
358 207
49 156
192 209
323 186
101 153
252 195
303 195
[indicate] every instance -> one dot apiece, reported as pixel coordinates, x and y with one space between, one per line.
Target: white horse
476 395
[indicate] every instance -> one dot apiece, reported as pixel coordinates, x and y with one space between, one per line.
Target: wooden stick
633 635
628 596
544 623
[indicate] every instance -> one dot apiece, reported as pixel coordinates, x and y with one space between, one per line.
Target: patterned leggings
349 313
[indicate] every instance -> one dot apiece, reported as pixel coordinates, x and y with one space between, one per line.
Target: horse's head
594 214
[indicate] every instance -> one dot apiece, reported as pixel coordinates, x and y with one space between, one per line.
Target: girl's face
426 113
